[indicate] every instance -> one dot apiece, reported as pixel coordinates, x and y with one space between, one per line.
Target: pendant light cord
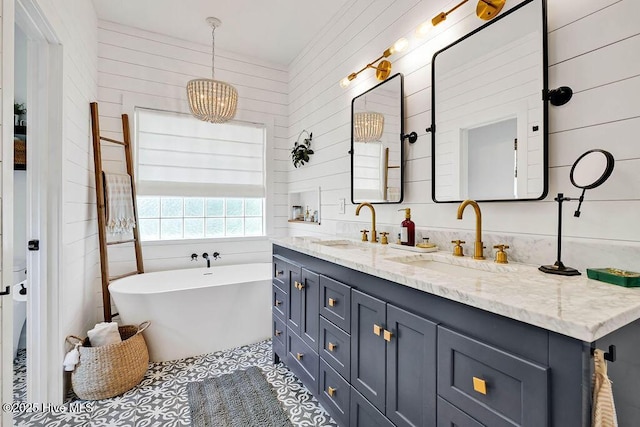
213 51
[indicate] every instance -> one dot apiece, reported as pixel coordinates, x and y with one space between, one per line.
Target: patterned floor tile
160 400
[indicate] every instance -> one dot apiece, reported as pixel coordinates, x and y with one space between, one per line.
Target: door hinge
34 245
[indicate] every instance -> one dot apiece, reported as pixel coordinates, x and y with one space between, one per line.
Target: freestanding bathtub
197 311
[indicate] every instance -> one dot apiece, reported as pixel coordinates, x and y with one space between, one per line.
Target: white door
6 200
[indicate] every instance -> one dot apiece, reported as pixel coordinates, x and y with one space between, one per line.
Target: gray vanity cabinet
376 353
393 360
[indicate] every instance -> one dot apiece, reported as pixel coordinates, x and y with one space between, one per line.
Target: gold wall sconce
383 68
485 9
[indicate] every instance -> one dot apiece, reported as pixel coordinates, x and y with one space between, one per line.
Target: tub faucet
206 256
478 246
374 235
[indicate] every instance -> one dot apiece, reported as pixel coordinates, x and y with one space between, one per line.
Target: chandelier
211 100
367 126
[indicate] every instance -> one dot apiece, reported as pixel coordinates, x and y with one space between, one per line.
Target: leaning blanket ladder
101 204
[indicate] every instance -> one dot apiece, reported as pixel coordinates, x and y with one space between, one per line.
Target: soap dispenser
408 230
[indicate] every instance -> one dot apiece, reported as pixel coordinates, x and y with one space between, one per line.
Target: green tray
628 279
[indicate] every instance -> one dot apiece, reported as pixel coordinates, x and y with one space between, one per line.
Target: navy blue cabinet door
364 414
310 323
294 317
411 369
368 358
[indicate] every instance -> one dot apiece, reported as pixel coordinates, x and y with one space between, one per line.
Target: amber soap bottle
408 230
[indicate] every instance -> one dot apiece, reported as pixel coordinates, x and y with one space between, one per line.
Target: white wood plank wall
133 63
594 47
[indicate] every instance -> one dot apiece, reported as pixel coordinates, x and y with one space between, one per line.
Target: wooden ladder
101 204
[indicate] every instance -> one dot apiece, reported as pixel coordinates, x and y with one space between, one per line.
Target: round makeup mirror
592 169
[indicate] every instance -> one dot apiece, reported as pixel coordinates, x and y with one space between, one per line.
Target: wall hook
608 355
560 96
413 137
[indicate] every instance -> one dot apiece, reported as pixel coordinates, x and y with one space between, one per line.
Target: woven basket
113 369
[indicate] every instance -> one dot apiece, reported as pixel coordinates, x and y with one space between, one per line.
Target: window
198 180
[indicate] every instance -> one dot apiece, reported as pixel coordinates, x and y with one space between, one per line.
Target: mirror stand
559 267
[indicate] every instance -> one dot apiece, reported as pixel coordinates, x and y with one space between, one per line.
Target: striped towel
604 411
119 203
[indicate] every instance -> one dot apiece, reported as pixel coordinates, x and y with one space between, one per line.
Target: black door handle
7 291
34 245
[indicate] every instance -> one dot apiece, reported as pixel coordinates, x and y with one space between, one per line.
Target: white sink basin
454 266
341 244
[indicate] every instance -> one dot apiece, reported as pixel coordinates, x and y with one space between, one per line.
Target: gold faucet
478 247
374 235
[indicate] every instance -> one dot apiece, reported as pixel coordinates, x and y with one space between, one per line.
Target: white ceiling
272 30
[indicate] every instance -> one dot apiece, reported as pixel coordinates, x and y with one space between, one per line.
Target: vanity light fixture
485 9
383 69
212 100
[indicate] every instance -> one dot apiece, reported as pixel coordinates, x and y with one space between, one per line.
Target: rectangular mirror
377 153
489 118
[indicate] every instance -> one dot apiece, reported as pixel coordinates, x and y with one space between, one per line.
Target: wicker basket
113 369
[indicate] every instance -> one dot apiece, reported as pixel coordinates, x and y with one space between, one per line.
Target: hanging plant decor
301 151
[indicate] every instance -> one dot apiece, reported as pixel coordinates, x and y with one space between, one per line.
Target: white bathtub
197 311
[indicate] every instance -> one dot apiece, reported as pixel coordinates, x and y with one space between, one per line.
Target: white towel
604 410
119 203
104 334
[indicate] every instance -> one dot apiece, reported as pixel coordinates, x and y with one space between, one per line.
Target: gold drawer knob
278 302
479 385
278 333
377 329
332 346
387 335
299 286
332 302
331 391
299 356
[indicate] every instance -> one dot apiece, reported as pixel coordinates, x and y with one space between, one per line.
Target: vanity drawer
279 331
494 387
336 347
334 394
279 302
279 272
450 416
302 361
335 302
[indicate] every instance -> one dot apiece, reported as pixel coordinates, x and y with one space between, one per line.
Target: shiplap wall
594 47
137 66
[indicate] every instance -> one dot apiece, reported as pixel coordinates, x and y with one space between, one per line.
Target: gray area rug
240 399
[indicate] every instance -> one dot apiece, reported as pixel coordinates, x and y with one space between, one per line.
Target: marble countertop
575 306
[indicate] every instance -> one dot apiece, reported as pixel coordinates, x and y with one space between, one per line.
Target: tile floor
161 398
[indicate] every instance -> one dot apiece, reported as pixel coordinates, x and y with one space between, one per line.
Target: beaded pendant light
212 100
367 126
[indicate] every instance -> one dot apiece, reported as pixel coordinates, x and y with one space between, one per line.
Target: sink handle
501 255
365 238
457 249
384 240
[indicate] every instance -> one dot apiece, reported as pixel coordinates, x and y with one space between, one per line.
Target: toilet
19 301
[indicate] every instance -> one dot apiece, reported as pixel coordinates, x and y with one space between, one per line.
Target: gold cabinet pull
332 346
278 302
387 335
479 385
377 329
331 391
277 333
332 302
299 286
299 356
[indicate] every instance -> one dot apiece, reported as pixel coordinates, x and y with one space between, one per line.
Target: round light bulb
401 45
345 82
423 29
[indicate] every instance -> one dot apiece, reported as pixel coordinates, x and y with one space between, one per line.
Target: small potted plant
18 110
301 151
